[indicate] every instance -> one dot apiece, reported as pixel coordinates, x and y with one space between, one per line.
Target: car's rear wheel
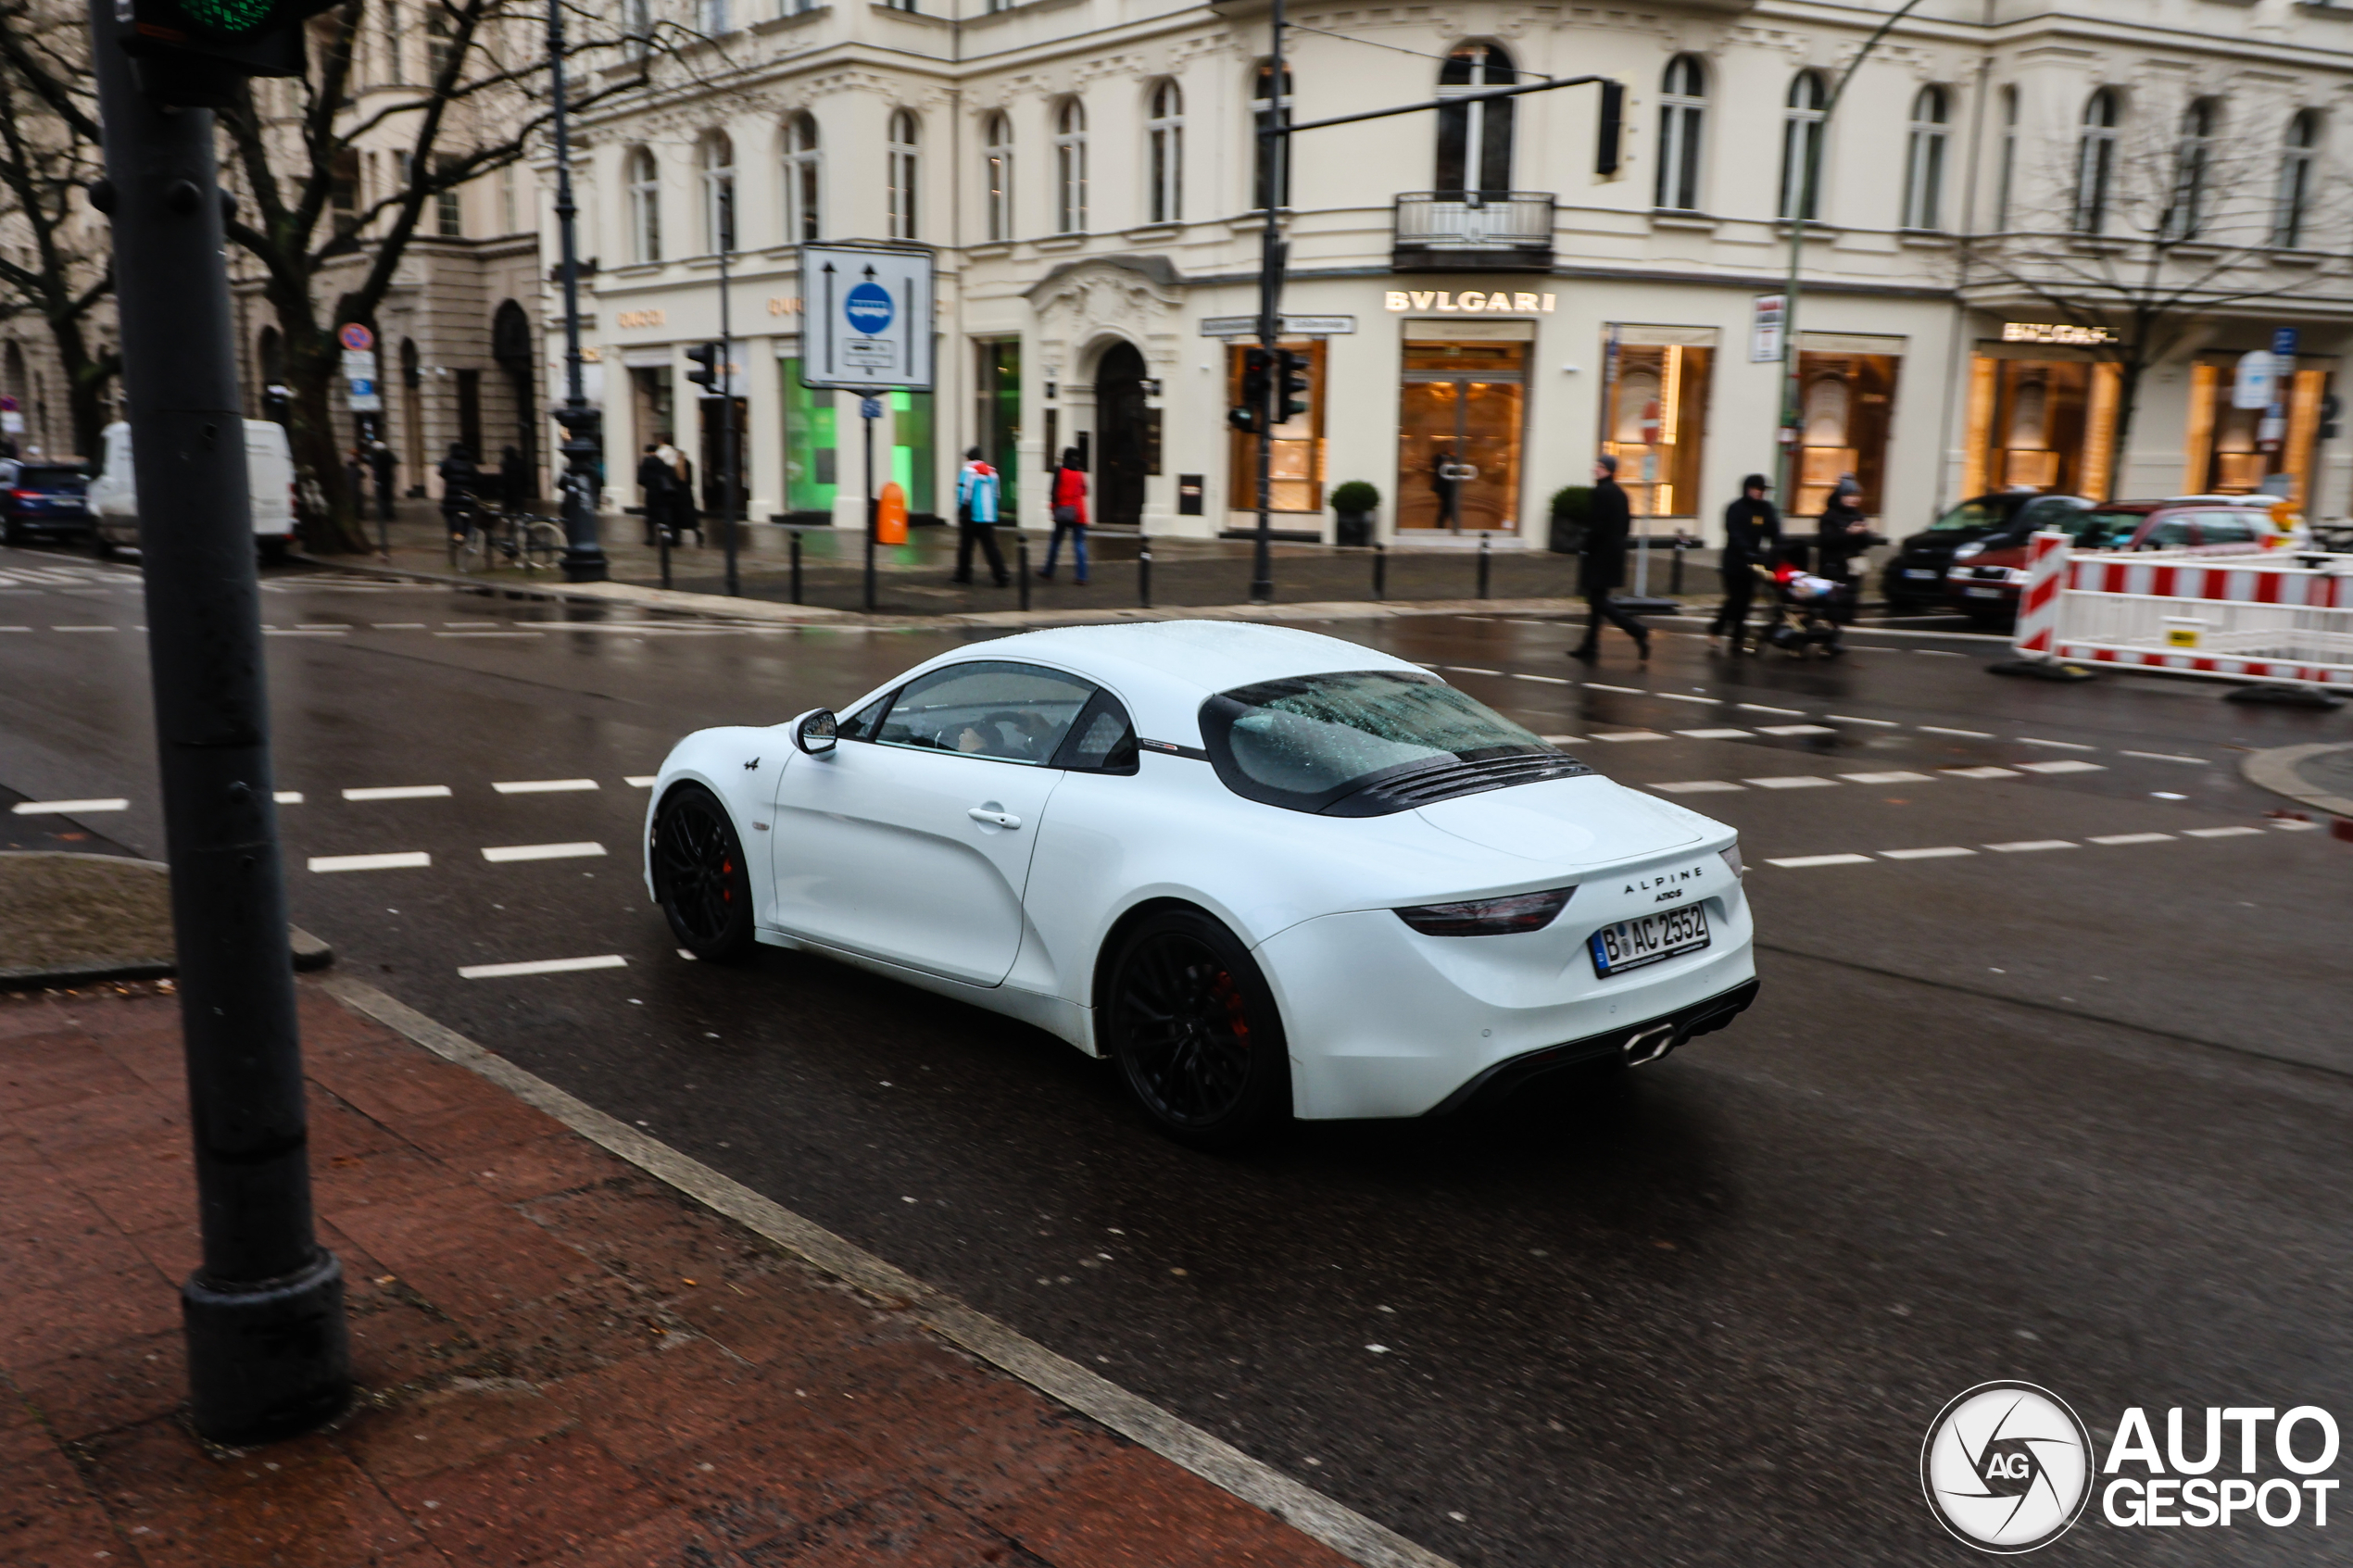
1195 1032
701 878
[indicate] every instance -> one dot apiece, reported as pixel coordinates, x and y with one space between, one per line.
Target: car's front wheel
1195 1032
701 878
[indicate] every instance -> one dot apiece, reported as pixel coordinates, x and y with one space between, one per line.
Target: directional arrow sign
871 329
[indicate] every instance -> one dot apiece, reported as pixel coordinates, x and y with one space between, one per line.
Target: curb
309 952
1218 1463
2276 771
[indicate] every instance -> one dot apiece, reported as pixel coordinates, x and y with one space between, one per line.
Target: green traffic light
230 16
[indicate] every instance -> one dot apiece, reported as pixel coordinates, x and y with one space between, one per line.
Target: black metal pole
1274 153
795 566
1021 562
868 408
1144 576
662 541
1482 565
727 369
1380 571
268 1355
584 426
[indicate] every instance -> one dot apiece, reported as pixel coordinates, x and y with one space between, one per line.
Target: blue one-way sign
869 313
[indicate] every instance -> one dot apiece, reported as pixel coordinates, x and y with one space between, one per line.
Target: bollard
1144 576
1482 565
1021 564
795 566
1675 573
1380 570
662 542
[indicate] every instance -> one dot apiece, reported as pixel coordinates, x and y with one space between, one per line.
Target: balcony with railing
1472 231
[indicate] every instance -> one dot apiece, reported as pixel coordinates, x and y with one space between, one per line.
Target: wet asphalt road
2075 1114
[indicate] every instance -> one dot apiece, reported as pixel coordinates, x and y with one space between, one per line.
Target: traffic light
705 357
1257 378
1609 138
1293 385
195 53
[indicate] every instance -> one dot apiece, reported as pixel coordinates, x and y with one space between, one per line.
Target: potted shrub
1571 505
1352 506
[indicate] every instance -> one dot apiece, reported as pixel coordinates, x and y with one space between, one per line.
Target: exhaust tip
1649 1045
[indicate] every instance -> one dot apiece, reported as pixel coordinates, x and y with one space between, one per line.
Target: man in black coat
1601 566
1752 538
657 478
1843 533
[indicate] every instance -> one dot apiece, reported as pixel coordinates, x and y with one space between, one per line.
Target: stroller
1807 610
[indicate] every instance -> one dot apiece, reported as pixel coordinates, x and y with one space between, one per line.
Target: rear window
32 478
2050 511
2094 529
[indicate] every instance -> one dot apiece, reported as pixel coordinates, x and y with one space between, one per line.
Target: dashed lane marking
400 792
490 633
86 628
1761 707
1888 778
2064 765
398 625
2295 824
61 808
1793 781
1467 670
542 786
408 859
541 966
2029 845
474 623
1979 773
1562 740
287 797
1698 786
1681 697
1714 735
304 631
2133 838
2166 757
502 853
1875 723
1622 690
2219 833
1795 730
2057 745
1939 852
1796 862
1547 680
1631 735
646 781
1966 735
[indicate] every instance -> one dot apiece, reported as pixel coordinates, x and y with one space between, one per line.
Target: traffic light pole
268 1355
584 426
726 390
1274 156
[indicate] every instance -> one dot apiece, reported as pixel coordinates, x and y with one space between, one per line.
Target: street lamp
584 426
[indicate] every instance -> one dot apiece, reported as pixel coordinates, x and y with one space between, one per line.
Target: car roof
1165 669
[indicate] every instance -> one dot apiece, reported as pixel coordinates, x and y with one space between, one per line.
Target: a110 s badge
2007 1467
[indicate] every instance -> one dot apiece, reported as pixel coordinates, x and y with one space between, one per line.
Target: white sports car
1268 872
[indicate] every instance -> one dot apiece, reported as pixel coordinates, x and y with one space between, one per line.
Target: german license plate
1631 944
1920 571
1983 593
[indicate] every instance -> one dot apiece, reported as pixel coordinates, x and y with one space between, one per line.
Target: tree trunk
2128 398
311 361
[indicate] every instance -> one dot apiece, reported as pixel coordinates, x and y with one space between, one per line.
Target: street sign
870 317
359 373
1293 326
2256 383
8 405
1767 318
2284 343
364 398
354 337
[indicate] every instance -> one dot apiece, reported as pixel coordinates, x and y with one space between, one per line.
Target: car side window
993 708
2221 528
1102 740
863 724
2166 533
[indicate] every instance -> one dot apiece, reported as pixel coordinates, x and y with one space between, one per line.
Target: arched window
2009 159
719 191
1682 109
1475 140
804 187
1070 168
1270 158
1802 147
2095 160
2295 179
2193 159
903 133
1924 166
996 155
1166 133
645 205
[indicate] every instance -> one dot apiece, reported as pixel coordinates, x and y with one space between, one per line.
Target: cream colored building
1482 311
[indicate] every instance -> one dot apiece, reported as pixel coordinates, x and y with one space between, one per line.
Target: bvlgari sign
2064 332
1448 302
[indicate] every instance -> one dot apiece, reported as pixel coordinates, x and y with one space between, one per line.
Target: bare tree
54 262
2138 231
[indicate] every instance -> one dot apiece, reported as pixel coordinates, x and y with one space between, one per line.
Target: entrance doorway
718 498
1123 437
1458 450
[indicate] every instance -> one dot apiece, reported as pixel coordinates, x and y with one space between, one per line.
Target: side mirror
815 733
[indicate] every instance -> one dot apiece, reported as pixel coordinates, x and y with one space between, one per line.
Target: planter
1353 528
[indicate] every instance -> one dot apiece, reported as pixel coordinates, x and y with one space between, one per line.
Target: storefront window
651 404
2232 451
1298 456
912 462
2041 424
1847 402
997 415
1654 421
1460 414
809 444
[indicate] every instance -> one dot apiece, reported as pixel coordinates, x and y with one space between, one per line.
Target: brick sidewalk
562 1360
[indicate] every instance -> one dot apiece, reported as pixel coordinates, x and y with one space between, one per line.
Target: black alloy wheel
1196 1033
700 877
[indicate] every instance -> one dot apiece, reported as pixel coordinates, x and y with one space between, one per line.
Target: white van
269 477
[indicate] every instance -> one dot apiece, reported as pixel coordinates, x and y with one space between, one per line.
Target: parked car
270 477
45 500
1266 872
1914 577
1987 575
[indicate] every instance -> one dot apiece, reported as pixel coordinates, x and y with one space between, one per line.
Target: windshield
31 478
1968 514
1310 740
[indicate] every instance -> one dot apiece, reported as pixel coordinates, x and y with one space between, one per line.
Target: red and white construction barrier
2238 618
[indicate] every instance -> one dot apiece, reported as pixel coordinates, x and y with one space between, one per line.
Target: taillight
1489 917
1733 859
28 495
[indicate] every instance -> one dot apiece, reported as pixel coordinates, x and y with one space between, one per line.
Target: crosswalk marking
400 792
541 966
1939 852
502 853
63 808
542 786
408 859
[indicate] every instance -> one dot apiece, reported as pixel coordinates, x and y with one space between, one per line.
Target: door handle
993 816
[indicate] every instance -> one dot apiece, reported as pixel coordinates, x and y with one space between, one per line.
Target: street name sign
868 314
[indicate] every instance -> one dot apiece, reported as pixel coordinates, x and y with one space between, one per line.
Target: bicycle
520 539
